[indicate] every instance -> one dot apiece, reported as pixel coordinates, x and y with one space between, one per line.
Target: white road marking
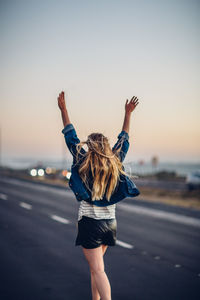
157 257
177 266
25 205
60 219
3 196
160 214
35 186
123 244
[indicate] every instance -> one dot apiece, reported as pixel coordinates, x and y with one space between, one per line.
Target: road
170 185
157 255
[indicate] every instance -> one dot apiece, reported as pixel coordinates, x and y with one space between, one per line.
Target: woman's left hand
61 101
129 107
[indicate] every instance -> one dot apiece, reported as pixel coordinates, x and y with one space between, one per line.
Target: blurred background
100 53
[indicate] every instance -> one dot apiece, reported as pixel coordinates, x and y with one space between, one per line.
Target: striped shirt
96 212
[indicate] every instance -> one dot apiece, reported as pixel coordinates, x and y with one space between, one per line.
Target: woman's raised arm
62 106
129 107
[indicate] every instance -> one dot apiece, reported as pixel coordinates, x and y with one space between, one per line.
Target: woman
99 169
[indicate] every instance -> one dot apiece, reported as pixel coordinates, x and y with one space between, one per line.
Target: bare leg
95 293
96 263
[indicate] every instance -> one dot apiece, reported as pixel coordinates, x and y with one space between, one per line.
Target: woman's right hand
129 107
61 101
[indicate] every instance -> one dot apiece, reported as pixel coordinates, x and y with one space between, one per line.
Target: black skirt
92 233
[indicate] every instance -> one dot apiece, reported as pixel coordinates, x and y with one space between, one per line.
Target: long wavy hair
101 164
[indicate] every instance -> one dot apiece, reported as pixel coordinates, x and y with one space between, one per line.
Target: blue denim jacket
125 188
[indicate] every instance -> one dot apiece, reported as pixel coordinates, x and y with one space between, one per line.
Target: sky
100 53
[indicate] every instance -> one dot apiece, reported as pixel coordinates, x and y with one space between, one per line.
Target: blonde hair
102 163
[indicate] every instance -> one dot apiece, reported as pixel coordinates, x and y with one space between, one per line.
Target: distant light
48 170
68 175
33 172
40 172
64 173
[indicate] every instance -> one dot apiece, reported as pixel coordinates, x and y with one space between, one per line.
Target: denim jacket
125 187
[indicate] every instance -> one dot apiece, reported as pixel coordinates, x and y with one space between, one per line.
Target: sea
131 167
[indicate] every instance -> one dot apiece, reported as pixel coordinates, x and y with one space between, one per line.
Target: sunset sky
100 53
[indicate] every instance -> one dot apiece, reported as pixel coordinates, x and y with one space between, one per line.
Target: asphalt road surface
157 255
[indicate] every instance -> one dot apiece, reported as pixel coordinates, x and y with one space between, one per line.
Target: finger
132 98
133 102
136 100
